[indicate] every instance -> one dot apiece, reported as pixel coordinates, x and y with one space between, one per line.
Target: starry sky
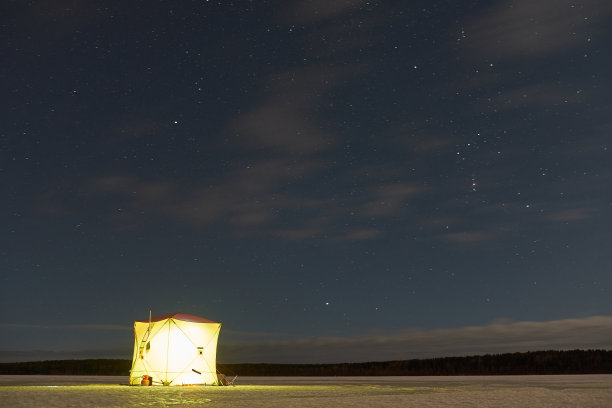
340 180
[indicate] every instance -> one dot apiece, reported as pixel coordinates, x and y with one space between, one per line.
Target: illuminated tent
175 349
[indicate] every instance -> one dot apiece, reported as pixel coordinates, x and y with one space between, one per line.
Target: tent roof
178 316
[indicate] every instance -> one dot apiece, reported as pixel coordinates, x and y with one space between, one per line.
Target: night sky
332 180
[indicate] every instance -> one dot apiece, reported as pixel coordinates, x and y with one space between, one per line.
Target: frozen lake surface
563 391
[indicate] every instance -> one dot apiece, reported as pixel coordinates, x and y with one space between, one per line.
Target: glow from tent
175 350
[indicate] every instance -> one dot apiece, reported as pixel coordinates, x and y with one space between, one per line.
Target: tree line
534 362
538 362
69 367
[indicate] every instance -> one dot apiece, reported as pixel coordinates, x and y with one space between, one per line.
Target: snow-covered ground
579 391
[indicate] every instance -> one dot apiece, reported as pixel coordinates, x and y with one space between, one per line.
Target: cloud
285 118
389 199
467 237
539 95
359 235
527 28
41 355
247 196
498 337
50 21
284 139
65 326
282 126
298 234
570 214
421 138
281 137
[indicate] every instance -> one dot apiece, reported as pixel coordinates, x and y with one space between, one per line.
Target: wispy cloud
101 327
388 199
570 214
60 19
358 235
539 95
298 234
500 336
284 139
284 118
497 337
526 28
467 237
41 355
243 197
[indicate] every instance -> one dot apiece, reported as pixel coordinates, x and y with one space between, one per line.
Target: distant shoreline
526 363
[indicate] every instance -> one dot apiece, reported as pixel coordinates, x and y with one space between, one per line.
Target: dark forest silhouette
536 362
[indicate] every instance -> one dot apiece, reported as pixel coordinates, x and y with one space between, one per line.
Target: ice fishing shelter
175 349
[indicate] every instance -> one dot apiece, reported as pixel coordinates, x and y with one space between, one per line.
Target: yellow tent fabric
175 349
